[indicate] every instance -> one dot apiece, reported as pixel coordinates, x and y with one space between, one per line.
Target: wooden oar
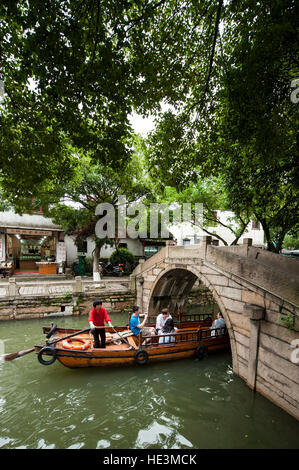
12 356
121 337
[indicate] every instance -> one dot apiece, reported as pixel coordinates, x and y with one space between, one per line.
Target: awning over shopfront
34 222
23 231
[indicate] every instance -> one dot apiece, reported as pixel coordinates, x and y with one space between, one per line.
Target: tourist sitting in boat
97 317
218 323
136 327
161 319
167 329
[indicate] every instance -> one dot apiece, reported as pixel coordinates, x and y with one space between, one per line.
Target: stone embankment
21 300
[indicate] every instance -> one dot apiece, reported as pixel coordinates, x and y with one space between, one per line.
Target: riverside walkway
17 287
22 299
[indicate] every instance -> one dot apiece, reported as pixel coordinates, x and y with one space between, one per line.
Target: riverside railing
18 289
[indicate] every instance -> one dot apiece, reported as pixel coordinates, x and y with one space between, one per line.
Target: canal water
188 404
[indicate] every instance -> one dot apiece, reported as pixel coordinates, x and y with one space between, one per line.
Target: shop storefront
29 249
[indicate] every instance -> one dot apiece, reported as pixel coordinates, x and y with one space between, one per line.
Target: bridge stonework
254 289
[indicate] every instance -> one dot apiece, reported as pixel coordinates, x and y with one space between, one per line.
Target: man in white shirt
161 319
218 323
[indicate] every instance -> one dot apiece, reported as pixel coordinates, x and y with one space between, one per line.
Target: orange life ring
69 344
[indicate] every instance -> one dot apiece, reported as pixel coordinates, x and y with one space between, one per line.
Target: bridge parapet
170 253
273 260
272 271
147 264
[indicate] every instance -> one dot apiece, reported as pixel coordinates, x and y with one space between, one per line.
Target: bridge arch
171 289
257 293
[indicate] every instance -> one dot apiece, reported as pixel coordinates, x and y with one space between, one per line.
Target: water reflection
184 404
161 436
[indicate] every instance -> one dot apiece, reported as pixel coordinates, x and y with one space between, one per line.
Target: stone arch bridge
257 293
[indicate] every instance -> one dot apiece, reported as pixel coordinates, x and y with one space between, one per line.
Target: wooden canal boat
78 351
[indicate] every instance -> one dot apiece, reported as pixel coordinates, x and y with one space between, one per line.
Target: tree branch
210 233
216 29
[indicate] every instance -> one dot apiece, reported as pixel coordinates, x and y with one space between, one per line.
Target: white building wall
194 234
71 250
39 222
135 246
11 220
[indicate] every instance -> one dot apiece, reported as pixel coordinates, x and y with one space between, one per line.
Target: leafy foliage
241 125
73 205
75 70
122 256
291 241
212 195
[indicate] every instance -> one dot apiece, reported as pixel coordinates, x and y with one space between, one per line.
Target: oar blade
12 356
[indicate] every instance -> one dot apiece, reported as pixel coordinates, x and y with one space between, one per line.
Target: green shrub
288 321
291 242
123 256
67 294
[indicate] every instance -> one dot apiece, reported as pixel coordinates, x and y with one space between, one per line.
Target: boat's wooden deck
110 346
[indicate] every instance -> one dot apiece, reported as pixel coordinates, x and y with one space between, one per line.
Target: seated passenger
161 319
167 329
218 323
136 327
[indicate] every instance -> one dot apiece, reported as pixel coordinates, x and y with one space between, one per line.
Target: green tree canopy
241 125
211 193
73 205
74 71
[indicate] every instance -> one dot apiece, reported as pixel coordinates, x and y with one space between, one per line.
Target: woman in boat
97 317
161 319
167 329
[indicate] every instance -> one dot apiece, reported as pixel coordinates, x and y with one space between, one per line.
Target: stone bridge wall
253 297
271 271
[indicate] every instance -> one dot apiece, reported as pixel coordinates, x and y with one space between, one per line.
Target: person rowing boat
97 317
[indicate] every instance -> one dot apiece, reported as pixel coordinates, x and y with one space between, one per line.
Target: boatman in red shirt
97 317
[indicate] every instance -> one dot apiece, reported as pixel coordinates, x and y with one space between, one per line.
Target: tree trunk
95 264
211 233
270 245
240 234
